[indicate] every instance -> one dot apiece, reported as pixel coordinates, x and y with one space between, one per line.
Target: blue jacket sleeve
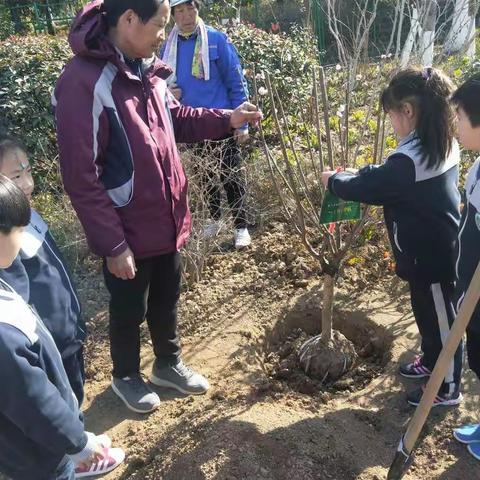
375 185
30 401
231 71
17 277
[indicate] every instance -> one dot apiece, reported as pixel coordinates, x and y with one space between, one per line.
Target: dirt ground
255 424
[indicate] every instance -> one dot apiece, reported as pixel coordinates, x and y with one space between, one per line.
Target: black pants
434 313
153 294
228 164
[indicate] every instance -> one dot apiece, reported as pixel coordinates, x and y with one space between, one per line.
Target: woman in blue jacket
207 73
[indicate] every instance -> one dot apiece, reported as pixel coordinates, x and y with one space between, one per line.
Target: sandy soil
253 424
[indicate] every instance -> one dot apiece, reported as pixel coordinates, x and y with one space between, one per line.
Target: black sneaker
442 399
415 369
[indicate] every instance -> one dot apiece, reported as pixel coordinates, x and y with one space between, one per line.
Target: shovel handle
457 331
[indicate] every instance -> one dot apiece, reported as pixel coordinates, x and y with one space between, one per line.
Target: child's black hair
428 90
14 206
468 98
8 144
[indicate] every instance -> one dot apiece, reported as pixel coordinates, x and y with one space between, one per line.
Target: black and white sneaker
415 369
442 399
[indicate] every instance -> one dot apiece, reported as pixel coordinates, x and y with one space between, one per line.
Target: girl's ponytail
428 90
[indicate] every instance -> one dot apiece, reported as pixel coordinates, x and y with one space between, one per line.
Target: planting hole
283 342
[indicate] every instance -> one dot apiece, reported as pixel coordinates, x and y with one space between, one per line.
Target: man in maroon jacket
117 128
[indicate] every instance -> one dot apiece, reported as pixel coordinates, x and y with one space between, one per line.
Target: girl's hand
99 453
326 174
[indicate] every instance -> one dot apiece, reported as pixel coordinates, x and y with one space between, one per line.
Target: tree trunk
326 357
471 45
410 41
462 32
327 311
400 27
427 40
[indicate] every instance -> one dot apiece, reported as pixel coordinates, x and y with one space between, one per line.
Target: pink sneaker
113 457
415 369
104 440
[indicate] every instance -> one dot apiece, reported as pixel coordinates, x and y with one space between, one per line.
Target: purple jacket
117 140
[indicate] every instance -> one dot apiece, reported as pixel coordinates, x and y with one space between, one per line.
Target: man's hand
122 266
245 113
241 136
176 91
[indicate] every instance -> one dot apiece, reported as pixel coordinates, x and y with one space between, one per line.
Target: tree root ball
327 361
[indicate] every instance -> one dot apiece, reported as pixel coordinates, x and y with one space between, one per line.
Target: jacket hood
88 38
87 35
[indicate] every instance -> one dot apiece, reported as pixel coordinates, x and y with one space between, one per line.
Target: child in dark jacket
467 101
41 434
39 273
417 187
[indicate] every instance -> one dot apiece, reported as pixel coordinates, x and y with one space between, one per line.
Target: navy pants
75 368
65 471
434 313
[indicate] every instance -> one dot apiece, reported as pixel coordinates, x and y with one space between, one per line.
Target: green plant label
335 209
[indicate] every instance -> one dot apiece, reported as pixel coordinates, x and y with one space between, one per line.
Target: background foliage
31 63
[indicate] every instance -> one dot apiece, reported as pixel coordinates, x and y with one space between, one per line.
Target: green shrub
28 16
287 58
64 225
29 67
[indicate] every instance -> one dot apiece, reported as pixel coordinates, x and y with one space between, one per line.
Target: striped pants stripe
434 313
